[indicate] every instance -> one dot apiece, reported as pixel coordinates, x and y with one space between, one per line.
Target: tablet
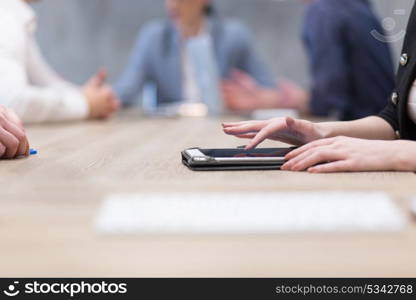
235 159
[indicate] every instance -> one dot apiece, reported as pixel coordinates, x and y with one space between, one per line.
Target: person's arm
96 94
38 104
300 132
39 71
336 153
362 145
390 115
327 53
250 61
32 103
136 72
372 128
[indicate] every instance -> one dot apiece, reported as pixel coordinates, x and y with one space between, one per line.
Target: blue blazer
156 58
352 69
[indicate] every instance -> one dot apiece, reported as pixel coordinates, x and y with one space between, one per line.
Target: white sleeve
28 85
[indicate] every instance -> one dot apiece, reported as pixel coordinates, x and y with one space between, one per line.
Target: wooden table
48 204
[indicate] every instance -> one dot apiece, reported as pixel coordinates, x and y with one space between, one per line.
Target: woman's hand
341 154
242 93
13 141
100 97
287 130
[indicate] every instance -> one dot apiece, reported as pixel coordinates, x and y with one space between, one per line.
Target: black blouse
396 112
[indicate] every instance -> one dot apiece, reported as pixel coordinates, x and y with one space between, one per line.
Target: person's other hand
100 97
13 140
241 93
293 96
343 154
287 130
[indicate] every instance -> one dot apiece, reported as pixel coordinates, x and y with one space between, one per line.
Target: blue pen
33 152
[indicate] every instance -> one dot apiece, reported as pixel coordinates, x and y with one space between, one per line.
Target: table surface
49 201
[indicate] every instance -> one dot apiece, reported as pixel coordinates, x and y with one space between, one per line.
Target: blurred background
79 36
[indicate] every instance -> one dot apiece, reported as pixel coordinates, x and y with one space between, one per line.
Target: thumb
27 152
99 78
290 122
102 76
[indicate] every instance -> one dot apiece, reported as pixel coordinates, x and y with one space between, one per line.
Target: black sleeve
390 115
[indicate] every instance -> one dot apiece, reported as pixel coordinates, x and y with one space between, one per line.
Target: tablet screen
240 153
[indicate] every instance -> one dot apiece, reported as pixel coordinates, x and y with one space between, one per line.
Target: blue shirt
352 70
156 59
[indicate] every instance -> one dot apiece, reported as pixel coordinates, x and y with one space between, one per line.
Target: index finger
245 128
265 133
231 124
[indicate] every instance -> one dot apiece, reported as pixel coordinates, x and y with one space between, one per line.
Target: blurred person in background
187 55
352 71
31 87
13 140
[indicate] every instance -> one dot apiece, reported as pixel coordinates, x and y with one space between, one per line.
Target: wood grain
49 201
